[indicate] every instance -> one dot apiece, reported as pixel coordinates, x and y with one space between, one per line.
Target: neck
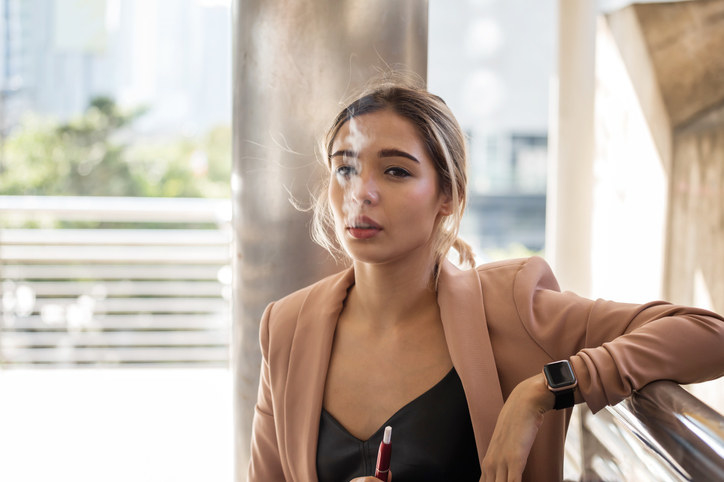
386 296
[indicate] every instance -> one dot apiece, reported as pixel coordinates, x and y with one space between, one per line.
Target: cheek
424 199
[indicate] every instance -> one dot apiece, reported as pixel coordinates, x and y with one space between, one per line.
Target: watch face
559 374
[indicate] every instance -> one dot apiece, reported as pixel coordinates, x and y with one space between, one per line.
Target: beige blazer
502 322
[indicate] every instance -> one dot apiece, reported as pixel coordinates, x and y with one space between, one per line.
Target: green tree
97 154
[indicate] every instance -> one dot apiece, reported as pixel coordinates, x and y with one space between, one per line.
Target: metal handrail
661 432
688 433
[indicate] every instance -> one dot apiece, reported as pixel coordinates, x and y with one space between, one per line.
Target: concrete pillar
294 62
570 184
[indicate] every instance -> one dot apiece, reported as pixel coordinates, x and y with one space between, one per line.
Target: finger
489 475
514 473
488 472
501 475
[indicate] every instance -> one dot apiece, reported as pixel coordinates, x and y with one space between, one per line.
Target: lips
363 228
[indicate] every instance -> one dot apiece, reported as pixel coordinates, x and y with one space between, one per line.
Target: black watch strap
562 382
564 399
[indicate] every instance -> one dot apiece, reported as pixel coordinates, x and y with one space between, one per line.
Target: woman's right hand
516 429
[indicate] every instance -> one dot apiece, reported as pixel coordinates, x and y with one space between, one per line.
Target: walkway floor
141 425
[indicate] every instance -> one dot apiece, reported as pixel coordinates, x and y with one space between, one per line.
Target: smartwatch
562 382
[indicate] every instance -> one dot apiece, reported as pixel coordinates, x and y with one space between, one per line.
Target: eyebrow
343 153
396 153
381 153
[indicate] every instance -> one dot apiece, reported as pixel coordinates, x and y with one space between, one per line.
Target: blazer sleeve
616 348
265 463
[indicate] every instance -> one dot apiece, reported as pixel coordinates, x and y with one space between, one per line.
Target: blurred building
492 61
172 56
11 62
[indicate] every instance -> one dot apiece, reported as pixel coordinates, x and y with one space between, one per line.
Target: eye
397 172
344 171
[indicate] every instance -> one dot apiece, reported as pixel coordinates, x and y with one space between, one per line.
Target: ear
446 208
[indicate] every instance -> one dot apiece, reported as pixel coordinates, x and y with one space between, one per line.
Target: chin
363 254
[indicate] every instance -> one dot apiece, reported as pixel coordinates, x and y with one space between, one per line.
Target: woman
452 359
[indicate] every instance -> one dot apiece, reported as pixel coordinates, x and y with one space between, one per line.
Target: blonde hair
445 144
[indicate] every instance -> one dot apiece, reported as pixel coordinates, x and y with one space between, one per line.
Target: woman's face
384 189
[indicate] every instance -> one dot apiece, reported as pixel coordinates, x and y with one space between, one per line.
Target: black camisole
432 440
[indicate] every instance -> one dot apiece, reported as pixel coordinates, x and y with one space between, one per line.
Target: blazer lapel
460 298
308 363
461 309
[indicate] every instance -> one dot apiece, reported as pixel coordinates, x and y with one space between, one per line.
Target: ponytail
465 252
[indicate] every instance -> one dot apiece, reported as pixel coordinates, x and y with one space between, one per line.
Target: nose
364 190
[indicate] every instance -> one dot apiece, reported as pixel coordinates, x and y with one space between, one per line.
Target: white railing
151 285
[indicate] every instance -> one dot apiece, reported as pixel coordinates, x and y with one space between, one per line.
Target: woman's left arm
614 348
628 346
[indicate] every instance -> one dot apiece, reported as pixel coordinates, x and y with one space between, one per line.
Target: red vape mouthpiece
383 455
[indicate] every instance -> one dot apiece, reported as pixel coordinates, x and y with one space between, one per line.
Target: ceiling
686 45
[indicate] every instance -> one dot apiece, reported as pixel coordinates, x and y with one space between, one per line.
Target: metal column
294 62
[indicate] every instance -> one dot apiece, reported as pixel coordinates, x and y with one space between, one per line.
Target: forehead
384 126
